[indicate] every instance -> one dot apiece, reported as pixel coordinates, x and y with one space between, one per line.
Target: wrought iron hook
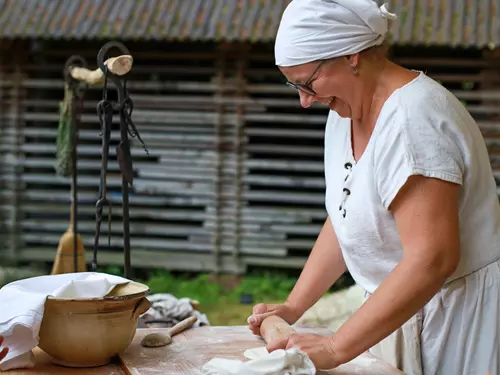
101 59
74 60
124 105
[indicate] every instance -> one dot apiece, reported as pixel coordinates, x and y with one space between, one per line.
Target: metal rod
125 193
74 181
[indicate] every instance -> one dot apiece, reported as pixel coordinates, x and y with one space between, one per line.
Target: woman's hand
4 351
323 268
318 348
261 311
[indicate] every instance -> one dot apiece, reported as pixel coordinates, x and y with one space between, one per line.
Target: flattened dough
279 362
256 353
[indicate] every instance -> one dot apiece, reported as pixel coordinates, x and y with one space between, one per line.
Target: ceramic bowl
90 332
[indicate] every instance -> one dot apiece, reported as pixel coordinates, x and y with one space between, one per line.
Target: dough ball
155 340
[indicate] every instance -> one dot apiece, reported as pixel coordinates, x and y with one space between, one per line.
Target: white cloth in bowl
22 306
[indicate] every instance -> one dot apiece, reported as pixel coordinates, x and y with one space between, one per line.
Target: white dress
422 129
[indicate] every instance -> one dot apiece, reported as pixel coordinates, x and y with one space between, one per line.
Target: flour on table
261 362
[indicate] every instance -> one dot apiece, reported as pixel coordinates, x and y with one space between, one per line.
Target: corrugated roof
450 22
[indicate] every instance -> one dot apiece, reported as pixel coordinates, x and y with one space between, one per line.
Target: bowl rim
143 293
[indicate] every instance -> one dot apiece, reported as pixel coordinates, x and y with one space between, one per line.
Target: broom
70 255
65 257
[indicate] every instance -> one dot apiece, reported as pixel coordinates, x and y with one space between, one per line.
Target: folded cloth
22 306
169 310
279 362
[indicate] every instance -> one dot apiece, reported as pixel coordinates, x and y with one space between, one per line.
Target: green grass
221 303
207 290
220 297
228 314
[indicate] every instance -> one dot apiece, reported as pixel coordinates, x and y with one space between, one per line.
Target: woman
4 351
413 212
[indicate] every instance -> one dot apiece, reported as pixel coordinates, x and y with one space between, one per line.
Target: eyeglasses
304 87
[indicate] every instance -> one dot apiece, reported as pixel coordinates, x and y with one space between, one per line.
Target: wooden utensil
119 65
155 339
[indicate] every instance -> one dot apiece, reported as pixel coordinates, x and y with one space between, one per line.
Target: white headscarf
311 30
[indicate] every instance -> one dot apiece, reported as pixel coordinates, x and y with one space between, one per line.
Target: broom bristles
64 261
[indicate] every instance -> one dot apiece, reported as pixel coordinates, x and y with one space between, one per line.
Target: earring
354 70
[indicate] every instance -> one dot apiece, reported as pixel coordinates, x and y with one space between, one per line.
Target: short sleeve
427 145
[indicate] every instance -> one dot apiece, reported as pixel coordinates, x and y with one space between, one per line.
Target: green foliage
111 270
207 290
199 288
213 292
467 85
266 287
64 136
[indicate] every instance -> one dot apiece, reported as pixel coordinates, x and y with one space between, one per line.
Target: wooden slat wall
11 137
183 200
235 176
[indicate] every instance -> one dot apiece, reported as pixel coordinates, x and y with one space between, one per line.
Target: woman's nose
306 100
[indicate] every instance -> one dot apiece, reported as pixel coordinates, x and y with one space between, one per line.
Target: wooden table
190 350
44 366
193 348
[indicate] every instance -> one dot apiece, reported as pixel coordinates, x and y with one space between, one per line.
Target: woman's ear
352 60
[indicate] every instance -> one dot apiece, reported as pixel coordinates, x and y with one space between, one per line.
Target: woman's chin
340 108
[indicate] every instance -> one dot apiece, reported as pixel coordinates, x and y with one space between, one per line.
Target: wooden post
239 149
3 167
17 124
218 149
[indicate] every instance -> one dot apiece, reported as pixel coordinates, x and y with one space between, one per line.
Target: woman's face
332 82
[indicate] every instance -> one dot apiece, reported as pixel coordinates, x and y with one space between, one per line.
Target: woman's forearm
404 292
323 268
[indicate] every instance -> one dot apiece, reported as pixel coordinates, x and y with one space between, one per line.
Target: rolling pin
274 329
